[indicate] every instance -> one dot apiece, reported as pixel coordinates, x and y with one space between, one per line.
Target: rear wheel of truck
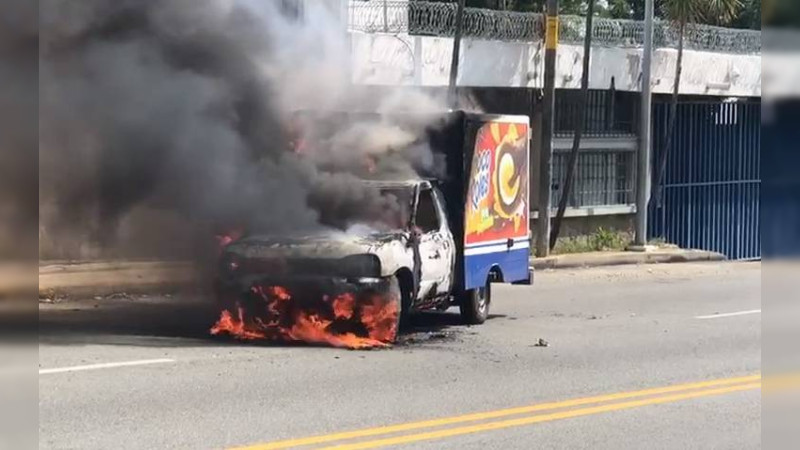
475 305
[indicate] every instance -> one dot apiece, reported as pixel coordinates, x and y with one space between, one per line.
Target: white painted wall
386 59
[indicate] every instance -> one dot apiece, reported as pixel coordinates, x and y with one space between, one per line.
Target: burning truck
442 243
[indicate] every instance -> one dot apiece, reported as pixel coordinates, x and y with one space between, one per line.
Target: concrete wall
587 225
401 59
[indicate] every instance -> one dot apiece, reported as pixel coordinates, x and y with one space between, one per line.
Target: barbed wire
438 19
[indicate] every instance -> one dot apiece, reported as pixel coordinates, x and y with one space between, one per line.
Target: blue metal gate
780 206
710 192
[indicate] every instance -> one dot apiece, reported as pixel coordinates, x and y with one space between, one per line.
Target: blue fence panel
780 207
710 193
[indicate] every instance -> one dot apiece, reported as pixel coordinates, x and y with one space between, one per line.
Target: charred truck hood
319 254
324 287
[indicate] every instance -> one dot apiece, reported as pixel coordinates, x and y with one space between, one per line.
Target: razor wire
438 19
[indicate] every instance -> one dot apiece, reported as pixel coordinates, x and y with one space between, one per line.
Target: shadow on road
147 321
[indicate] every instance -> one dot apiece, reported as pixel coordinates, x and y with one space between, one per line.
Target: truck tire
396 292
406 285
475 305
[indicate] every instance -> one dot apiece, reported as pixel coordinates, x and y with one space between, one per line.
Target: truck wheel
475 305
396 293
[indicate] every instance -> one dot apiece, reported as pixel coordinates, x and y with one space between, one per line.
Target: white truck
452 239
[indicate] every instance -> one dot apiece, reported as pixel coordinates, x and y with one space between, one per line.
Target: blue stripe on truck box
513 262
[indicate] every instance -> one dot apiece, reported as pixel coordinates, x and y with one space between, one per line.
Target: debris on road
541 343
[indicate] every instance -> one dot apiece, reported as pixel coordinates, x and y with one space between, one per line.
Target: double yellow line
563 410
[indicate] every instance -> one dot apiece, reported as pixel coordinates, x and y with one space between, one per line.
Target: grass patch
601 240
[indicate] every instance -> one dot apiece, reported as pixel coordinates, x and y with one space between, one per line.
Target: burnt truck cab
451 239
414 253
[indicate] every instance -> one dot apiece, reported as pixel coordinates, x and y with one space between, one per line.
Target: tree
572 163
781 13
750 16
684 13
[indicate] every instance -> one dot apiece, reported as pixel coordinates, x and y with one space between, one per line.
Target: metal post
546 155
452 99
643 173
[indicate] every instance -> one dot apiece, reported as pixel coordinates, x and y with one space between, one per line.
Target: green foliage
750 16
599 241
617 9
682 11
714 12
604 239
781 13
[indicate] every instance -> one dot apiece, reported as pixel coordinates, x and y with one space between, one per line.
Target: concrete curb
17 280
598 259
105 278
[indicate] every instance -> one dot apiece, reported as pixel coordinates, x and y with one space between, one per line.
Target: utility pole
452 98
385 16
643 167
546 155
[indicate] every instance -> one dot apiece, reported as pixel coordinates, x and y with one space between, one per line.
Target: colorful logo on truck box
497 203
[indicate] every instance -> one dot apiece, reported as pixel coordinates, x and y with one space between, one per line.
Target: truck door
436 245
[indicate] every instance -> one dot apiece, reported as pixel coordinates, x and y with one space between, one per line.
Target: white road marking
733 314
140 362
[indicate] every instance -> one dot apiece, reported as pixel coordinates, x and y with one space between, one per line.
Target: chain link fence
438 19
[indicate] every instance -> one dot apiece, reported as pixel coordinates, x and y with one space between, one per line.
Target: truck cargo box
483 171
488 190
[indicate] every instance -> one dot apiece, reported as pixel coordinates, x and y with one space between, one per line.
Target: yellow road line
781 383
368 432
449 432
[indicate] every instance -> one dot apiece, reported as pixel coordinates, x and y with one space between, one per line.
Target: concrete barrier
597 259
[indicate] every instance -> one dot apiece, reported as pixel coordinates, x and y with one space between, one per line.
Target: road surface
665 356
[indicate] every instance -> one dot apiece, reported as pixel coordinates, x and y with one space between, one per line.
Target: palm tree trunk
572 163
673 112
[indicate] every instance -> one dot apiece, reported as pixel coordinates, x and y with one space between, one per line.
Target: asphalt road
626 351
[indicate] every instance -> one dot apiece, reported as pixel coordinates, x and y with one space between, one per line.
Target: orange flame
344 306
224 240
342 326
380 319
235 326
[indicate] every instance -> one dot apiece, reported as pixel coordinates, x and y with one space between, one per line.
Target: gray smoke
165 121
18 128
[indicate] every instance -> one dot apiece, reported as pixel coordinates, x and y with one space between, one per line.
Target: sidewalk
597 259
106 278
17 279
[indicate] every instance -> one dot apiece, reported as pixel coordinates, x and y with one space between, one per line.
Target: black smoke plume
18 129
163 122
